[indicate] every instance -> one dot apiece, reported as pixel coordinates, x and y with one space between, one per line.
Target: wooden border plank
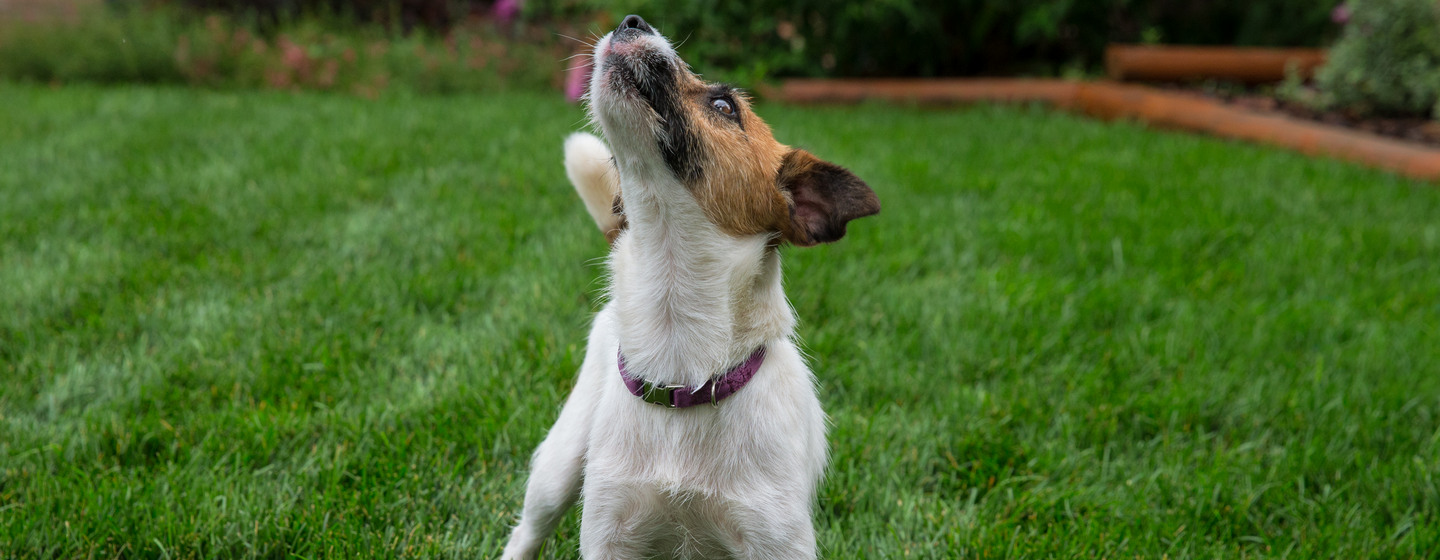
1057 92
1174 63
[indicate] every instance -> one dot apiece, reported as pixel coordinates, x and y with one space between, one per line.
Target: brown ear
823 198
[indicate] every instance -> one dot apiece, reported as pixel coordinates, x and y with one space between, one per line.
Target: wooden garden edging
1173 63
1056 92
1156 107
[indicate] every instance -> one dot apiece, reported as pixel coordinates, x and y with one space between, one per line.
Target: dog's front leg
555 475
620 521
769 532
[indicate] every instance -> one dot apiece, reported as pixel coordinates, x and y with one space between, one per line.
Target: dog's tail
591 170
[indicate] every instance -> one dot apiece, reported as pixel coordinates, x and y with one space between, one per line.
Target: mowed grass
239 325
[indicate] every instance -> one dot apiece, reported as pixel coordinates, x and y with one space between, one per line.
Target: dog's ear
823 198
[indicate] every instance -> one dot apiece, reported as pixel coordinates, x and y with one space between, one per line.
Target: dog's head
661 119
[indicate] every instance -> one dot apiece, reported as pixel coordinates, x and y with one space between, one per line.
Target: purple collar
680 396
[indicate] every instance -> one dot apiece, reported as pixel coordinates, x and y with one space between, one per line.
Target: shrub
167 45
1387 61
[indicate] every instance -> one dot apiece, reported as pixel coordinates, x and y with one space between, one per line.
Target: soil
1413 129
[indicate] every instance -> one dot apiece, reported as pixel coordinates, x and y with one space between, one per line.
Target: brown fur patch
736 187
745 181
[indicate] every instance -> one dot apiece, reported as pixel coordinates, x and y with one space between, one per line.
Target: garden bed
1411 129
1238 70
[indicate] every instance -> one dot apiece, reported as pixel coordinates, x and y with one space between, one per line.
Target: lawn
312 326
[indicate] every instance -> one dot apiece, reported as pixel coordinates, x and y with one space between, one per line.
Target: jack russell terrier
694 424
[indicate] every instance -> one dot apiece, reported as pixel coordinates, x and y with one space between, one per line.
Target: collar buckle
663 395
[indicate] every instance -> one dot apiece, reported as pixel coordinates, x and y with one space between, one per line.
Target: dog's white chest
688 482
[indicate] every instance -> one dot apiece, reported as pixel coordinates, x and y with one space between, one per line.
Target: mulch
1413 129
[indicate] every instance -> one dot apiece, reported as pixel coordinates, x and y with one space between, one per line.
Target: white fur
688 301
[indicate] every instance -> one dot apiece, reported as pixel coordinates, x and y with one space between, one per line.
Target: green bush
1387 61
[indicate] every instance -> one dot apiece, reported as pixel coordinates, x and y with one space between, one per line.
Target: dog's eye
723 105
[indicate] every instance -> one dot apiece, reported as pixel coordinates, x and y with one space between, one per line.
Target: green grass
310 326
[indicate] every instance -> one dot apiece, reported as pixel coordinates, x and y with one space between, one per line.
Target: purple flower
1341 14
505 10
576 80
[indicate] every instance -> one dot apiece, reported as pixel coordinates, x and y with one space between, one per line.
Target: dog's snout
633 21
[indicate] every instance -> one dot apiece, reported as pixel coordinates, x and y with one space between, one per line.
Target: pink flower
505 10
292 55
577 80
1341 14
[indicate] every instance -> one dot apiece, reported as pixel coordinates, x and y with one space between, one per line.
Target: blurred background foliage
1386 60
750 41
776 38
930 38
280 45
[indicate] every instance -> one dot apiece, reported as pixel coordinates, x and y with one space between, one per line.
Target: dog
694 423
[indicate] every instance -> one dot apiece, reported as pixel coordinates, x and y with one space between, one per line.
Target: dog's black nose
633 21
